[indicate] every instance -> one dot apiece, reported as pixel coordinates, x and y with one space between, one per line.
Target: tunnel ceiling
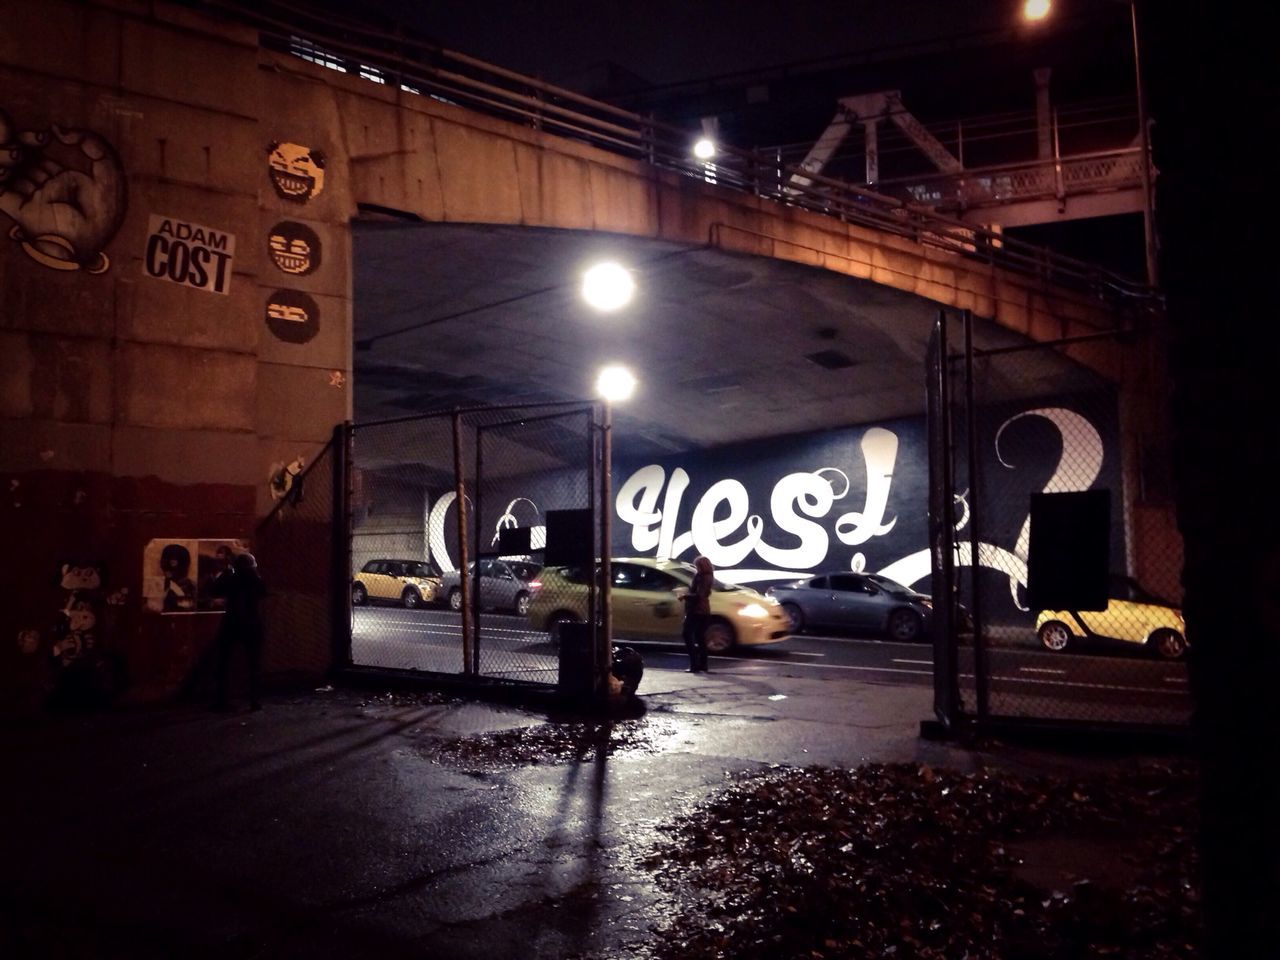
726 347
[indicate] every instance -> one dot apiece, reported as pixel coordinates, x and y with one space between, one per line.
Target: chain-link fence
451 518
1053 481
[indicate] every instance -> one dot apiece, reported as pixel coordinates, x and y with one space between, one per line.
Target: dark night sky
669 41
688 59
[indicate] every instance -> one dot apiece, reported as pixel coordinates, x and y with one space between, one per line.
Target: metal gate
1007 423
448 530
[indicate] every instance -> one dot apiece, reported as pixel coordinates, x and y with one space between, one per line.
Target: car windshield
525 571
685 572
1126 588
418 570
884 583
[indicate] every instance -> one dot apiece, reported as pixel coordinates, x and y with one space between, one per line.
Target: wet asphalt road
1025 680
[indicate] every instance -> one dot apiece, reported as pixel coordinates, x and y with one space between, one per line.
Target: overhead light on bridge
704 149
615 383
608 286
1035 10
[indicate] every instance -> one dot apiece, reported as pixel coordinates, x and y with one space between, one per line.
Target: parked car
410 582
1133 616
504 585
862 602
647 604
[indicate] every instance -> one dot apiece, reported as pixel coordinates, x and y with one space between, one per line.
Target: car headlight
753 610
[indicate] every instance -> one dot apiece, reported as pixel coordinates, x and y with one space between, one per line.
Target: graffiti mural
286 480
63 189
75 636
297 172
852 499
178 575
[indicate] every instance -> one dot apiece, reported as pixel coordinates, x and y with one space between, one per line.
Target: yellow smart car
646 604
1132 616
408 582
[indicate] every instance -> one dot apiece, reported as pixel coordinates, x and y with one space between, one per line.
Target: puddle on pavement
557 743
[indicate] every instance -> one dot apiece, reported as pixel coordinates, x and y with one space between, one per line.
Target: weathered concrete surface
328 826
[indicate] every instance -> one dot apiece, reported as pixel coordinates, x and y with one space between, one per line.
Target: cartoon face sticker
294 248
80 577
297 172
79 614
292 316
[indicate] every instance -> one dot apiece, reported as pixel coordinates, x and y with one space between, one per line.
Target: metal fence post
980 672
604 645
460 493
946 687
340 593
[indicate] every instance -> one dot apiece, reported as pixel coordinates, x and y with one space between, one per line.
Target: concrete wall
141 400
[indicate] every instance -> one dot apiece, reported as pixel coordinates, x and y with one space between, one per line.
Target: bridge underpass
750 370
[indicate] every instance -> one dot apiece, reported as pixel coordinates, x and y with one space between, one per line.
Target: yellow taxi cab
647 605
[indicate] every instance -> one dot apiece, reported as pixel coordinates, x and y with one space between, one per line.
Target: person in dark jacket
242 589
697 614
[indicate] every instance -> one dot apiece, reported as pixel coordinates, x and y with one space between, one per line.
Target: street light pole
1148 217
604 646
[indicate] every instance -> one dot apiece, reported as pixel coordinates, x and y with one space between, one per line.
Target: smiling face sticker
297 172
292 316
294 248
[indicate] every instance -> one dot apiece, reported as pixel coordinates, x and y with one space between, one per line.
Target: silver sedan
504 585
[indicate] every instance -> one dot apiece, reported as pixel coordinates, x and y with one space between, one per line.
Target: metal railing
418 67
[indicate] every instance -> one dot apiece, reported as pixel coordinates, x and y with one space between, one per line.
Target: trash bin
576 660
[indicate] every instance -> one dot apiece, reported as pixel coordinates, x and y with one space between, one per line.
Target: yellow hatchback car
647 606
1133 616
410 583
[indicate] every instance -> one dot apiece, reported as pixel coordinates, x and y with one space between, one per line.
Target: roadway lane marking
790 653
927 663
1083 685
1175 679
1060 673
378 621
835 666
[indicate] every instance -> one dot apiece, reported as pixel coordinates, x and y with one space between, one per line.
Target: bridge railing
1012 182
388 56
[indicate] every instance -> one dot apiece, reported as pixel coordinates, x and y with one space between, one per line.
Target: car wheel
411 598
359 595
795 617
455 599
558 620
522 604
1169 644
904 626
1055 636
718 637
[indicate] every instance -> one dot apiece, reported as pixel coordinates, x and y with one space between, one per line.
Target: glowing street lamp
704 149
1035 9
608 286
615 384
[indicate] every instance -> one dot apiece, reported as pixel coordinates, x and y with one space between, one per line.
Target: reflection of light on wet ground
556 743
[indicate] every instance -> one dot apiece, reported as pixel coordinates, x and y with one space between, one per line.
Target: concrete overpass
178 279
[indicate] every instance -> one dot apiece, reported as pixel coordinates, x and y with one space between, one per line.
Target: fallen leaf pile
554 743
906 862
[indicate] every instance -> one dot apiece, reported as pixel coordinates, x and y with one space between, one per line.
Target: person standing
241 626
697 614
